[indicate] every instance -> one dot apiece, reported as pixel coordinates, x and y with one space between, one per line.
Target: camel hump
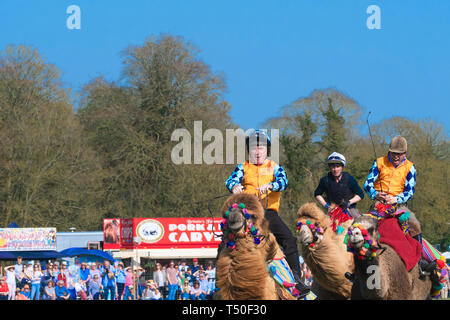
310 209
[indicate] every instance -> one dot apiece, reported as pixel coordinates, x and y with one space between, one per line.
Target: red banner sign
162 233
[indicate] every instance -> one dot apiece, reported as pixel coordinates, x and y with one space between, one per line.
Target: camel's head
243 215
362 237
311 223
363 227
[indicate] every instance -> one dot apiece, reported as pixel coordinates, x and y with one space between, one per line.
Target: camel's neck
242 273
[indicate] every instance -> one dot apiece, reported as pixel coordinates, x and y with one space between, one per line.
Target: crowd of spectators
190 282
56 280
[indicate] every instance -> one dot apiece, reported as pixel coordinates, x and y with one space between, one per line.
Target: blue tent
72 252
13 225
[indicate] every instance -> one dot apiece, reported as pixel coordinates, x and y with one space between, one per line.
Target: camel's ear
372 230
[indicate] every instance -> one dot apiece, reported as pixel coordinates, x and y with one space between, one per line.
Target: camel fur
385 277
328 260
242 272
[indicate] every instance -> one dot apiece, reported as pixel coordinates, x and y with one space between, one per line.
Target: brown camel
385 276
326 256
242 268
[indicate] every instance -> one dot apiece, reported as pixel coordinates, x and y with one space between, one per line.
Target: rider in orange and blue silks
392 180
258 176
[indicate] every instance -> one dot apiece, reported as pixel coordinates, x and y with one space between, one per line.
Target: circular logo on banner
150 231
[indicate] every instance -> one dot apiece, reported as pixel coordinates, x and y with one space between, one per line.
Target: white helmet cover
336 158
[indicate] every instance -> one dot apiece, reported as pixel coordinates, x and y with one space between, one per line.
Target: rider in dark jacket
339 187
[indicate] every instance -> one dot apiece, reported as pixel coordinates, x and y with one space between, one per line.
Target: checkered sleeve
281 181
410 187
235 178
369 184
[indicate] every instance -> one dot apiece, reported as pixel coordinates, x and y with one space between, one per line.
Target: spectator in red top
62 275
4 289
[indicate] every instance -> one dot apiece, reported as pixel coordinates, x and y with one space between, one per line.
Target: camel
242 267
383 276
326 256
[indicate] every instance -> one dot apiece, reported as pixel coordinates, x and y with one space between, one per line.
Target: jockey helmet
258 137
398 145
336 158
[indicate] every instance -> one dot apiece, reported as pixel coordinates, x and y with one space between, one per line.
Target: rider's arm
281 181
321 200
321 188
410 185
235 178
356 189
370 181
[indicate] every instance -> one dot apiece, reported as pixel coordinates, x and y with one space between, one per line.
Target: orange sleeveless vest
257 175
390 179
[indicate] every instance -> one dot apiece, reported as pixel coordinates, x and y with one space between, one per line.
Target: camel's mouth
235 222
236 226
357 244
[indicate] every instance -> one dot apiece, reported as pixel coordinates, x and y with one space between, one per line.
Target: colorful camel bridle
337 217
229 237
315 228
370 247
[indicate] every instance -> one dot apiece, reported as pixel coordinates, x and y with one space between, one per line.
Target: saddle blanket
406 247
282 274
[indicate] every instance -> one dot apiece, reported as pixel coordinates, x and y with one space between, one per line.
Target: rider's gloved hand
391 199
265 188
238 188
346 205
381 196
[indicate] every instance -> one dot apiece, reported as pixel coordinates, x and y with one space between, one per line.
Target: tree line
71 162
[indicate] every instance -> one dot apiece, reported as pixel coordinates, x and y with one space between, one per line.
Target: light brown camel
385 276
242 271
327 258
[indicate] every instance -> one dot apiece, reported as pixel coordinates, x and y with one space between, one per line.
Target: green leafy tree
45 165
334 138
164 86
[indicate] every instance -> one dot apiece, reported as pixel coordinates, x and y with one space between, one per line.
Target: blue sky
271 52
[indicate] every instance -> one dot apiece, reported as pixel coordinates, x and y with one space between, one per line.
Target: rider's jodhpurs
286 240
